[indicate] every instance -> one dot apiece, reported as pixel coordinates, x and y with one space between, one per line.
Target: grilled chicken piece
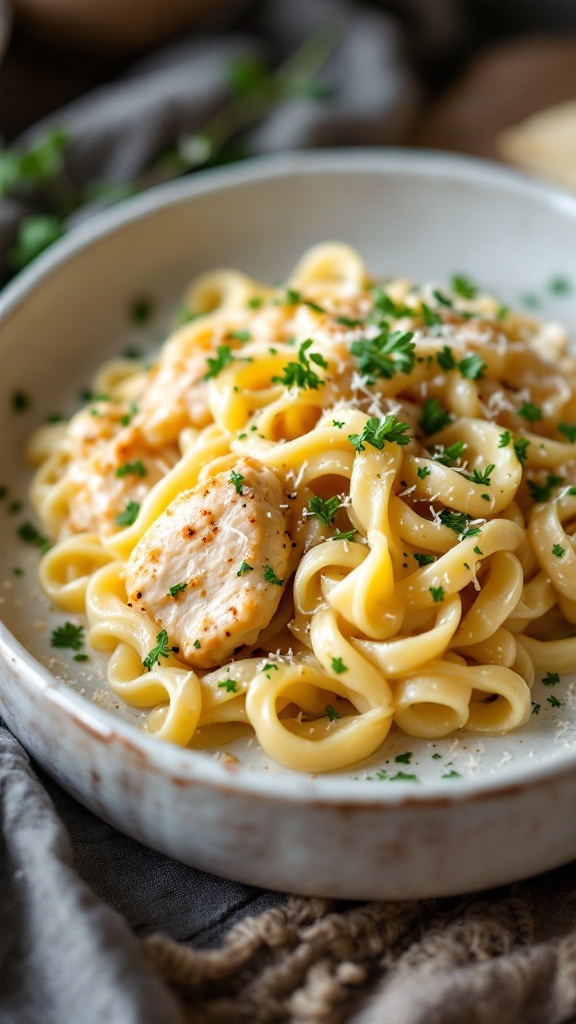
211 569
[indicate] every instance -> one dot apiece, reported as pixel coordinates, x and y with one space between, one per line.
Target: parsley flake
521 449
385 355
132 468
229 685
424 559
554 702
451 775
129 515
536 708
376 432
446 359
236 479
543 492
437 593
332 713
161 650
338 666
301 374
177 588
457 521
28 533
569 430
477 477
529 411
337 423
472 366
551 679
244 568
434 417
450 455
324 509
403 777
68 635
197 645
217 363
344 535
423 472
558 551
504 439
404 758
271 577
463 287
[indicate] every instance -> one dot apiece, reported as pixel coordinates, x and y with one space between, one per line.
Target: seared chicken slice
211 569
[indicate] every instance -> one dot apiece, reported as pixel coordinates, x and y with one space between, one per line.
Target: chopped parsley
457 521
217 363
385 355
543 492
129 515
450 455
127 418
434 417
255 302
346 321
242 336
344 535
560 285
551 679
338 666
451 775
28 533
558 551
442 300
477 477
430 317
504 439
463 287
385 305
472 366
20 401
423 472
332 713
244 568
376 432
403 777
80 657
161 650
536 708
569 430
197 645
68 635
141 310
301 374
424 559
529 411
271 577
477 550
229 685
521 449
337 423
132 468
324 509
236 479
404 758
437 593
269 667
554 702
446 359
177 588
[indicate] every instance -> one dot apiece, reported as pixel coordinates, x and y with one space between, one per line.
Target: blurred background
99 100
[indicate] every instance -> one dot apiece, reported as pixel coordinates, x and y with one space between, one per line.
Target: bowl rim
190 766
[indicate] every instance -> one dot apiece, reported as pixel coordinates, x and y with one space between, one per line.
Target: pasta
330 507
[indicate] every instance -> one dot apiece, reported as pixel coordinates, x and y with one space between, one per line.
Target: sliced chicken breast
211 570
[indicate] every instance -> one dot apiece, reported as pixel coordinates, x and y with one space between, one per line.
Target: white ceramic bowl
509 811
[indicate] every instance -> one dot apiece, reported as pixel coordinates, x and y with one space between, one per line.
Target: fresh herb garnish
271 577
236 479
301 374
229 685
437 593
404 758
504 439
332 713
27 532
424 559
551 678
446 359
217 363
161 650
430 317
554 702
324 509
177 588
423 472
68 635
569 429
521 449
558 551
385 355
141 310
376 432
529 411
472 366
244 568
127 418
344 535
462 286
242 336
434 417
543 492
456 521
450 455
129 515
132 468
479 477
338 666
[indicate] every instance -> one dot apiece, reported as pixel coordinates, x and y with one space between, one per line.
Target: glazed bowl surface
477 812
